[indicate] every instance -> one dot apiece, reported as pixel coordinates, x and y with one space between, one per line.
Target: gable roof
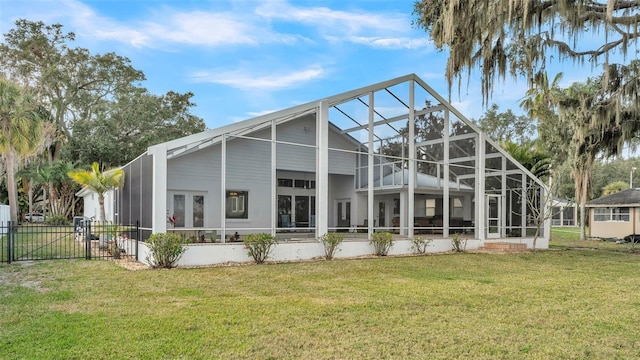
627 197
195 142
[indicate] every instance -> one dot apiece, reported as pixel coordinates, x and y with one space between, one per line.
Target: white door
494 222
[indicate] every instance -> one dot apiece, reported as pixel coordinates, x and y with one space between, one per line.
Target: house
393 156
92 206
616 215
564 213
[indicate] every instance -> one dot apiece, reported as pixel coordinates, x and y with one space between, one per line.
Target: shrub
382 242
458 243
331 241
259 246
420 245
166 249
57 220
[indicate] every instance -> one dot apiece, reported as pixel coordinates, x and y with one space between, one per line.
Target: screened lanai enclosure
393 156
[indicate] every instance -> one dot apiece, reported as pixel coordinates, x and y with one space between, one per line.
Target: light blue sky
246 58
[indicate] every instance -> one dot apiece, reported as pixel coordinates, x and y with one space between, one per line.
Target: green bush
259 246
166 249
420 245
382 242
331 241
458 243
57 220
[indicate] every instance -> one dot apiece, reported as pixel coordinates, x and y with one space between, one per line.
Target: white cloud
260 113
388 30
166 25
353 22
431 75
161 26
389 42
214 29
246 80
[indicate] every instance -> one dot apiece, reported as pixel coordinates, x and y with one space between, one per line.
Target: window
237 204
305 184
620 214
198 211
611 214
178 210
285 182
430 207
457 209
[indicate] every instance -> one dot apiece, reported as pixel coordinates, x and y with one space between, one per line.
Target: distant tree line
81 108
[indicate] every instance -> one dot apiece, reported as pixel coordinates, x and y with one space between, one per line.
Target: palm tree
20 133
536 161
99 181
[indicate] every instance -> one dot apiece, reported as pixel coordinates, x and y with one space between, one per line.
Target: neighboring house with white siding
616 215
326 166
92 206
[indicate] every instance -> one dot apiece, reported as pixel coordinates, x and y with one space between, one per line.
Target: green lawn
563 303
42 241
569 237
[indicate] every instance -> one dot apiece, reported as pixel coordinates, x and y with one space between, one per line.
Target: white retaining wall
211 254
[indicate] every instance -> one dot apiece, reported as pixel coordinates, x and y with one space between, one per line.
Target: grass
43 241
569 238
563 303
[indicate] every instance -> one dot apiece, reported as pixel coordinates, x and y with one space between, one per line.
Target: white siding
248 167
92 206
341 162
292 157
5 217
340 188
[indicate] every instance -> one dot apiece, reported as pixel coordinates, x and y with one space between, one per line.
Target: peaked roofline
627 197
291 113
311 107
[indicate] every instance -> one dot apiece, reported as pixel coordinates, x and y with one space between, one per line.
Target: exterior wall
211 254
92 206
341 188
248 168
615 229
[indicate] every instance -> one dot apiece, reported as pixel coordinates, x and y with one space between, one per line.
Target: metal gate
82 240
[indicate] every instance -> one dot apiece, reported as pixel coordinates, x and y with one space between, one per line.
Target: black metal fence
84 239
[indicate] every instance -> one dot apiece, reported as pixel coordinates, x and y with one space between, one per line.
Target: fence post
9 240
137 237
87 236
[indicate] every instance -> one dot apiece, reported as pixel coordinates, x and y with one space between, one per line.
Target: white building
92 206
394 152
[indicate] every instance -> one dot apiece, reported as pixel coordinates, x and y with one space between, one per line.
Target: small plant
331 241
259 246
458 243
420 245
166 249
382 242
57 220
632 244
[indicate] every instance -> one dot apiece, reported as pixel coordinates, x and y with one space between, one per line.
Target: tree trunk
102 212
31 195
11 185
583 203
